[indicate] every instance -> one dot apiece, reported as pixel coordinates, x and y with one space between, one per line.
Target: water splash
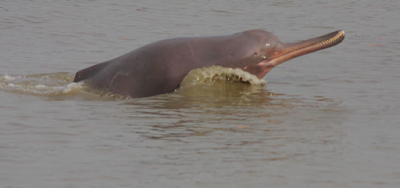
209 75
59 86
52 84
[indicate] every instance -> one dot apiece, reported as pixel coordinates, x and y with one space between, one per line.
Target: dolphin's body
159 67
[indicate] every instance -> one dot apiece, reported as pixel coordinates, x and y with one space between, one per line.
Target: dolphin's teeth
326 42
333 39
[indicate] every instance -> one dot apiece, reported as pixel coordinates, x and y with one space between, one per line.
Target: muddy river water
327 119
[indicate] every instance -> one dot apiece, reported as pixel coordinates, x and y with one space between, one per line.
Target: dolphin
159 67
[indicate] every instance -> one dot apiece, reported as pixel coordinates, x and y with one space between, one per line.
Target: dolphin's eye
275 45
272 45
255 54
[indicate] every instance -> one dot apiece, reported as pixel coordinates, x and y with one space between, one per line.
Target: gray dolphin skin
160 67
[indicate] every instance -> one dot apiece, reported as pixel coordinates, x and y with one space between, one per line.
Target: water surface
327 119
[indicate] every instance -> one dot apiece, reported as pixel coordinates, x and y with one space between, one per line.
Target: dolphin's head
268 52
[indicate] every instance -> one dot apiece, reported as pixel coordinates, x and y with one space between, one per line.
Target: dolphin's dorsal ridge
90 71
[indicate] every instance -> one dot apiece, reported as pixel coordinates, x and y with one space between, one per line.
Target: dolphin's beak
292 50
289 51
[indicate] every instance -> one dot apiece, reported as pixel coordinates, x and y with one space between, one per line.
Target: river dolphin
160 67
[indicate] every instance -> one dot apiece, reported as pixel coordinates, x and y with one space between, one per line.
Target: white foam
72 86
40 84
7 77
